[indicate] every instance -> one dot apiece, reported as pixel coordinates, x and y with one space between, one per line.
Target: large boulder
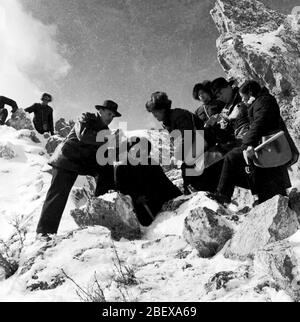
207 231
53 143
63 128
20 121
269 222
281 260
114 211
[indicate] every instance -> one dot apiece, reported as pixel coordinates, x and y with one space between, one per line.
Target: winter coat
264 116
265 119
205 111
149 181
43 117
240 125
78 151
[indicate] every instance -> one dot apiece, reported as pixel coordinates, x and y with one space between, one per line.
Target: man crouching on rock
76 155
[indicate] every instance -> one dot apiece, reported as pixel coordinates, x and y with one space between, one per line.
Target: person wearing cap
76 155
3 111
43 115
209 105
179 119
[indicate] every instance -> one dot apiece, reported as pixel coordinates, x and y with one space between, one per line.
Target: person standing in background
43 115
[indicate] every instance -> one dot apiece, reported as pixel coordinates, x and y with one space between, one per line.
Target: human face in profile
159 115
224 94
204 97
107 116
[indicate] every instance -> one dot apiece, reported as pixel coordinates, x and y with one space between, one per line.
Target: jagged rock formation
282 261
207 231
53 143
269 222
63 128
7 151
262 44
20 121
114 211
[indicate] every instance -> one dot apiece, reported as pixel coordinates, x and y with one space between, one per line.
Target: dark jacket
241 123
264 116
205 111
78 151
3 112
7 101
43 117
180 119
265 119
149 181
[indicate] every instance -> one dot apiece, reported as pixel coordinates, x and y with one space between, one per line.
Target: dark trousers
3 115
56 199
266 183
207 181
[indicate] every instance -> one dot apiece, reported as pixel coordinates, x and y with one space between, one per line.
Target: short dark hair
158 101
250 87
205 86
47 95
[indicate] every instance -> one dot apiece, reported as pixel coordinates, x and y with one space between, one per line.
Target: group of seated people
233 120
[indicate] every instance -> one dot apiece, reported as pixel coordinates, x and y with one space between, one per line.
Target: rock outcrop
63 128
53 143
269 222
207 231
20 121
281 260
7 151
114 211
262 44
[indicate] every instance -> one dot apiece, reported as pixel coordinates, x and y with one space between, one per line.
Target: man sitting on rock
3 111
145 181
43 115
76 155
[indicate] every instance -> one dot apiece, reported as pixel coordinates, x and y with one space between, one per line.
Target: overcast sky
86 51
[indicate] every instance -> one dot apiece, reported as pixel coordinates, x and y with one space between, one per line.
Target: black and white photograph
149 153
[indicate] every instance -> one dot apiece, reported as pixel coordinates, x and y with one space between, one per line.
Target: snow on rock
268 222
53 143
259 43
63 128
207 231
7 151
282 261
28 134
114 211
19 120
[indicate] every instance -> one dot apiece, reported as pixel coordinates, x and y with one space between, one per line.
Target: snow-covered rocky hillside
195 250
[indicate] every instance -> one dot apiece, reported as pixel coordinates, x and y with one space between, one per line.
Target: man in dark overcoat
76 155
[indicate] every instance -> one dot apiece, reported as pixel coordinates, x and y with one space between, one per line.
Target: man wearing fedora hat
76 155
